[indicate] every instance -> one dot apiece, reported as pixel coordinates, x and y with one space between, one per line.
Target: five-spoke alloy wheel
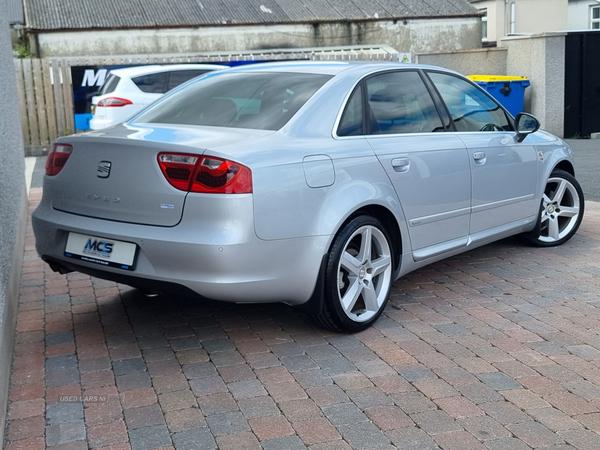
359 275
561 211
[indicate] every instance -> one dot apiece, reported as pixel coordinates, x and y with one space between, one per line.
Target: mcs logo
99 246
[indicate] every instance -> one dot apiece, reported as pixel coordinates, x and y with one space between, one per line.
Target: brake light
114 101
57 158
205 174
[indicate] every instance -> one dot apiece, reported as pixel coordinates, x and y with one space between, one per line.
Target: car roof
331 67
156 68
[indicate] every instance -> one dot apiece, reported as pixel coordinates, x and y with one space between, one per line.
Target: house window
513 18
484 24
595 17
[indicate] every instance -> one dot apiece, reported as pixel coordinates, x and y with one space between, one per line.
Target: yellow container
492 78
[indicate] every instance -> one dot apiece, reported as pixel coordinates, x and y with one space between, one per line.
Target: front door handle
401 164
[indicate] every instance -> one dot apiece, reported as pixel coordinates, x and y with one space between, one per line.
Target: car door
503 171
428 167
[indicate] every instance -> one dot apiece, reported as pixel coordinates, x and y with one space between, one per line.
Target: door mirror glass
525 125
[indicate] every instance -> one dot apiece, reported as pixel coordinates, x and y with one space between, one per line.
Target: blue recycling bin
509 91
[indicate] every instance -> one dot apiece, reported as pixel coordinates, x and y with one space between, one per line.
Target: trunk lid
114 175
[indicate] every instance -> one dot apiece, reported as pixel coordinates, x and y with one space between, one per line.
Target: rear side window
400 103
470 108
155 83
110 84
351 122
181 76
263 101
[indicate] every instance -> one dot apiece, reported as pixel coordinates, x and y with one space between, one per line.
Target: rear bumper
217 257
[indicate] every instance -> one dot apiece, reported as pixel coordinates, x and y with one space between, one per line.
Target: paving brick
435 422
271 427
556 420
458 440
435 388
262 406
228 423
103 413
484 428
217 403
64 412
511 444
27 444
194 439
145 416
388 418
137 398
327 395
505 412
288 443
169 383
26 408
246 389
62 433
150 438
130 381
170 401
281 392
26 428
106 434
238 441
363 435
184 419
459 407
316 431
413 402
534 434
412 439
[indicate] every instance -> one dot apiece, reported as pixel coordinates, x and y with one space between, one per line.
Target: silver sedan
310 183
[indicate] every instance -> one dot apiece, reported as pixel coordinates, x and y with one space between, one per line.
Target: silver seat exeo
309 183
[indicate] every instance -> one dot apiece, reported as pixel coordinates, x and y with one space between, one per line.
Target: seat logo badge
104 169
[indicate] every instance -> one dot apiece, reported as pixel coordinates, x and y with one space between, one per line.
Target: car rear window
110 84
264 101
155 83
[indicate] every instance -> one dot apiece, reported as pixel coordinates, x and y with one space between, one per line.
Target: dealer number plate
98 250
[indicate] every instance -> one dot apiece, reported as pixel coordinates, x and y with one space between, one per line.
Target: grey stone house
125 27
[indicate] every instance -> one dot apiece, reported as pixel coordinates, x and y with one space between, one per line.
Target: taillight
205 174
57 158
114 101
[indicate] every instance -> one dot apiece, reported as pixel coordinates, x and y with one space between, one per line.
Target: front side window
262 101
470 108
595 18
154 83
400 103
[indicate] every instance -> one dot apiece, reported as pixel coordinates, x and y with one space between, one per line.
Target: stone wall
13 209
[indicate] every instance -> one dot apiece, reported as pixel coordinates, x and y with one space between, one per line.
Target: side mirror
525 124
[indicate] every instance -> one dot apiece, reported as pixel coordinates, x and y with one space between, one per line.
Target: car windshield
264 101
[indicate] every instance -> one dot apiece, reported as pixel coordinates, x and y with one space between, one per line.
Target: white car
129 90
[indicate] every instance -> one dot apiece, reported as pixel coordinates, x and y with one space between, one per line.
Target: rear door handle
479 157
401 164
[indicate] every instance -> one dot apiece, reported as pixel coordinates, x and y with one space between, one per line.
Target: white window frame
594 22
484 24
513 18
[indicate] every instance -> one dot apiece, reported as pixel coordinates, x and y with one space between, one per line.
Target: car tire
561 211
358 276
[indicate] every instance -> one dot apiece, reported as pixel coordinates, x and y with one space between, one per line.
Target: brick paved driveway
495 349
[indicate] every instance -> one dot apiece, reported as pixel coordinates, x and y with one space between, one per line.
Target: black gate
582 84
